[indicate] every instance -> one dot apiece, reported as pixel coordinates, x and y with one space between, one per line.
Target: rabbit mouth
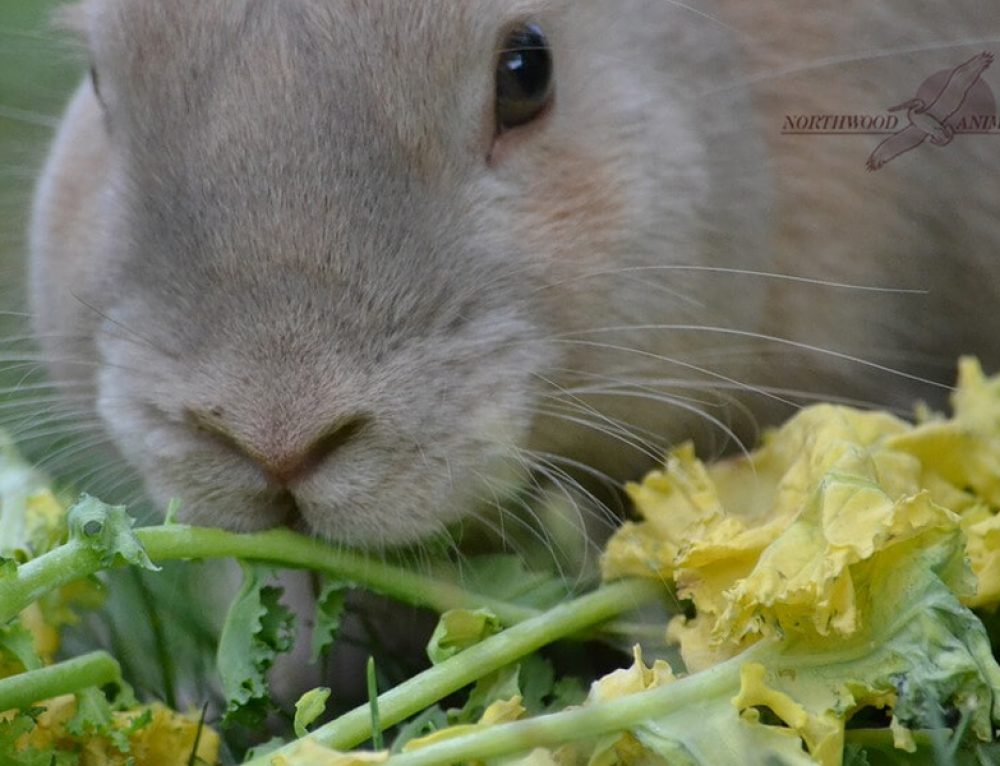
287 508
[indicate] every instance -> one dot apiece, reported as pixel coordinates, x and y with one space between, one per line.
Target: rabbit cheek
576 213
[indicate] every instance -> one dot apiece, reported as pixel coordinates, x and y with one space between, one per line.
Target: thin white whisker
557 476
110 476
681 404
31 337
610 383
131 335
736 272
804 395
649 452
498 527
27 409
707 16
65 454
768 338
742 386
12 361
535 529
26 434
847 58
41 385
600 476
589 409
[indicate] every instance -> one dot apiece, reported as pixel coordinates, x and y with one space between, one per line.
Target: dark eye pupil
524 77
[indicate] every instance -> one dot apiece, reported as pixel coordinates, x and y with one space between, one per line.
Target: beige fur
294 215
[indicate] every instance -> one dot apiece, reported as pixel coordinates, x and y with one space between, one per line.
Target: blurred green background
39 66
38 69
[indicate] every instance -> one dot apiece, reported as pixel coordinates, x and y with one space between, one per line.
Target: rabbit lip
288 510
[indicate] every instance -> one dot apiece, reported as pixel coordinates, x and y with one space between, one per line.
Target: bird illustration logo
932 119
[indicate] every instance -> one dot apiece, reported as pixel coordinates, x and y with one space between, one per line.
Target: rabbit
364 267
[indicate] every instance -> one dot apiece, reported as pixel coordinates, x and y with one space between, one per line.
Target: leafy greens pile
829 581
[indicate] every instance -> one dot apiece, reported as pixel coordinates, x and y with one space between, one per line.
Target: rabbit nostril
281 459
285 468
210 424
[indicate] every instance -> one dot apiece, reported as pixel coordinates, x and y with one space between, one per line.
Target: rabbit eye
524 77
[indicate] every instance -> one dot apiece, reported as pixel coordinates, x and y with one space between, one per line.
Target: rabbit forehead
414 76
366 27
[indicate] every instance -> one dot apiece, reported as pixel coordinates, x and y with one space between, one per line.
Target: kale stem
429 687
286 548
175 542
590 722
26 689
32 580
73 561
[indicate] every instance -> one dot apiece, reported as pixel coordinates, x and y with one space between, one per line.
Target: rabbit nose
284 467
282 459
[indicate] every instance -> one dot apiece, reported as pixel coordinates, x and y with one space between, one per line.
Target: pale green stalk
590 722
281 547
433 685
26 689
